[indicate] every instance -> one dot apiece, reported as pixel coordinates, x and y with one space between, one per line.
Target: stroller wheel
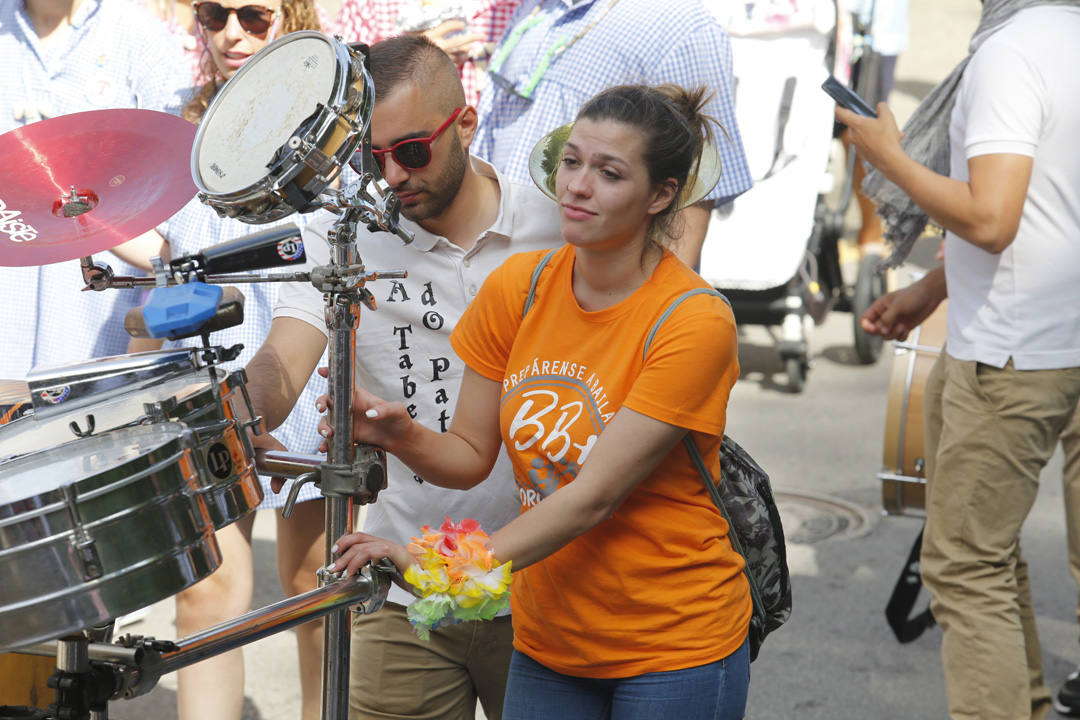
869 286
796 368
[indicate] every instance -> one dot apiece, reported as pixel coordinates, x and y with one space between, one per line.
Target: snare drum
282 128
903 472
99 527
221 450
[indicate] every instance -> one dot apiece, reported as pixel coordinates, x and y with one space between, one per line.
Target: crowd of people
558 338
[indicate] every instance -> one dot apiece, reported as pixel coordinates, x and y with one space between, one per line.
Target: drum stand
89 673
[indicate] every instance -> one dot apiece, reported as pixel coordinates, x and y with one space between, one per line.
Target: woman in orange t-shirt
628 599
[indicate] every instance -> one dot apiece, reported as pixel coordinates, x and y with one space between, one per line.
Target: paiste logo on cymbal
13 227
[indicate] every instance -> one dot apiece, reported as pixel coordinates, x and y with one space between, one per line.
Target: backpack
745 500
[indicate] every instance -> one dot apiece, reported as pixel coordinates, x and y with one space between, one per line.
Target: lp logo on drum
219 460
290 249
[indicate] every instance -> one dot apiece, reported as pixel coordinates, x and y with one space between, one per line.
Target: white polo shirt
403 350
1019 96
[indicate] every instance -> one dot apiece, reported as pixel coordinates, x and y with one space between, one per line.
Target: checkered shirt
115 56
197 226
369 21
637 41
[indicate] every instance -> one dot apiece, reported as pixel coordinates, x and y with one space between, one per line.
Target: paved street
836 658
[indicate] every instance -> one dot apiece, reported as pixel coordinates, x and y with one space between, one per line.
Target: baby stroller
774 250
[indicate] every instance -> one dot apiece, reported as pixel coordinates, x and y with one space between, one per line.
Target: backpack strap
699 462
534 280
670 309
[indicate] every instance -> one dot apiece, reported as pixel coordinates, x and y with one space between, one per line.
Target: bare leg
300 551
214 688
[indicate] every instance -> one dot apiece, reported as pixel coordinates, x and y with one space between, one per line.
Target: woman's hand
375 421
358 549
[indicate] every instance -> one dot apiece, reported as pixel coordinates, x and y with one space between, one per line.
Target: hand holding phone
846 98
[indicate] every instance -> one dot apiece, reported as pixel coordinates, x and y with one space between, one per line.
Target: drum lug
81 540
313 157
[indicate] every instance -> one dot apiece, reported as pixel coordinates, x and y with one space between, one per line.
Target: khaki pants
1070 479
989 432
394 674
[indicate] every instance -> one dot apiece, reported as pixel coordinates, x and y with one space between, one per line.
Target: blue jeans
716 691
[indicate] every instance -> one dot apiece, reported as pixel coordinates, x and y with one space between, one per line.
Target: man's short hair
414 58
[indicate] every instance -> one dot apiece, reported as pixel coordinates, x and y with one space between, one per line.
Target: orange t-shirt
657 586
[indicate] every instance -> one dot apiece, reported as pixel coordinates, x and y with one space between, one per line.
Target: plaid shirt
369 21
637 41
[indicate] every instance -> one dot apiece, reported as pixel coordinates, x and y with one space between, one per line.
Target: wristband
456 576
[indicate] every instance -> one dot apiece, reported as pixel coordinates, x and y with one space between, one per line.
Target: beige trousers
989 432
1070 443
395 674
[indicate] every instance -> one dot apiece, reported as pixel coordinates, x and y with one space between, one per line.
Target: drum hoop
162 465
178 440
286 169
908 378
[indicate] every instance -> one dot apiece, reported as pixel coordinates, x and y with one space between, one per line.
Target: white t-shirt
1019 96
403 349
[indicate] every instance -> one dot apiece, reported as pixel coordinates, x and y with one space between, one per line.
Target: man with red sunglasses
467 219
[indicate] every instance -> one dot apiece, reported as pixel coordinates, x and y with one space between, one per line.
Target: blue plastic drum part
180 309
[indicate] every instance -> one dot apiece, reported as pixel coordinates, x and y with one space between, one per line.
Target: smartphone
846 98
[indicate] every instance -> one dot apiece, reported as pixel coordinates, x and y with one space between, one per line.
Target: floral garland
456 576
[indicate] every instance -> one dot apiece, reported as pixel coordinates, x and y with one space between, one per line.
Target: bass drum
903 471
97 528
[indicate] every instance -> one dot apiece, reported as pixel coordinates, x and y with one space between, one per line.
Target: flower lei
456 577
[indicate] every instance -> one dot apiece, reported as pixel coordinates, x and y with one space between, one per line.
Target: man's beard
441 190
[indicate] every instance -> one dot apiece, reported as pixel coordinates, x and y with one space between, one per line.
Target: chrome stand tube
273 619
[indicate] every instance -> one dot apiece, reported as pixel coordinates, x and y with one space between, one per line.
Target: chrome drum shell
99 527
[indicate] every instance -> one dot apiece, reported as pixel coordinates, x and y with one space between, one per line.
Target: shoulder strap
536 279
671 308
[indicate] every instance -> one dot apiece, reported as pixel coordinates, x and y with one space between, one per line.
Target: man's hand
894 315
454 39
266 441
876 140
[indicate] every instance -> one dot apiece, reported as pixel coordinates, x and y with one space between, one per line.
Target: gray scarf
926 137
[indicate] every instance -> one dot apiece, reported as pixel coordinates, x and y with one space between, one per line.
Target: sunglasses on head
254 19
413 153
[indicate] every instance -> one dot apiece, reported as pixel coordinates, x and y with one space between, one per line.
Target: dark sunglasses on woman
254 19
412 153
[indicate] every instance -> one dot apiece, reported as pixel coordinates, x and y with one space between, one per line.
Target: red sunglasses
254 19
413 153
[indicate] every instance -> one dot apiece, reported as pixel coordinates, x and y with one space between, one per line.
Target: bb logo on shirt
558 409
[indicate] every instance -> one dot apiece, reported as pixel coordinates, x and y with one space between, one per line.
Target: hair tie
456 576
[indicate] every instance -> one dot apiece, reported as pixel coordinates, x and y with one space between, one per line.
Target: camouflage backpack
744 498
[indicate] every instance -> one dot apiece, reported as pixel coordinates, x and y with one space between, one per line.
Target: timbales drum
903 472
282 128
146 388
99 527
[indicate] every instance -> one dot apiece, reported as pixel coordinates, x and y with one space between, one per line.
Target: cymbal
78 184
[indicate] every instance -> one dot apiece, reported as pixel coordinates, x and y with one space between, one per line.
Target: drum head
259 109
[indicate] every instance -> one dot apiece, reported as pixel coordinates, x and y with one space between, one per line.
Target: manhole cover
810 518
